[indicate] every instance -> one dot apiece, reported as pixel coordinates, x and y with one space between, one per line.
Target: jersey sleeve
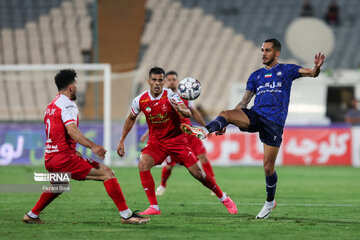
293 71
69 113
191 104
135 107
250 85
173 95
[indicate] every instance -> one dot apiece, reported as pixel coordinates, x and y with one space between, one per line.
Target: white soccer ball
189 88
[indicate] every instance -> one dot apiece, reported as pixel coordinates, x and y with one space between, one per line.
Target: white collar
156 98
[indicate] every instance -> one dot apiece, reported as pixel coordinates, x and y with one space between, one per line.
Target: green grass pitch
313 203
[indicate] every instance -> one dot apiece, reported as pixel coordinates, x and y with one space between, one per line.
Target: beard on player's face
268 60
172 86
73 96
73 91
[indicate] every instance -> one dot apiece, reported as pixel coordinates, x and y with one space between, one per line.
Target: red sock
210 184
114 191
45 199
165 174
148 184
208 169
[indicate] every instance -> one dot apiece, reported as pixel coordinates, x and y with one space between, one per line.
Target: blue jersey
272 88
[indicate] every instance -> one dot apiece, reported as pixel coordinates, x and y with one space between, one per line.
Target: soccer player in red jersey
61 120
196 144
162 109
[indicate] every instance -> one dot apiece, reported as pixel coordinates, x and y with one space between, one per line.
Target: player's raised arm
314 72
77 136
181 108
129 123
245 100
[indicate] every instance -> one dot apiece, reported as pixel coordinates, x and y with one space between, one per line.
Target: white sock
224 196
269 204
126 213
155 206
32 215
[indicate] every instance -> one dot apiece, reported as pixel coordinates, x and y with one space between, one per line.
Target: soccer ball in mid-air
189 88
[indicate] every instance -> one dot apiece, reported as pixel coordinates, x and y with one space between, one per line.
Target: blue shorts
270 133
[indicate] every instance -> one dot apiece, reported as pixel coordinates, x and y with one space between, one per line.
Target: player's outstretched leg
197 131
210 184
236 116
206 166
145 164
271 178
105 174
205 163
45 199
165 174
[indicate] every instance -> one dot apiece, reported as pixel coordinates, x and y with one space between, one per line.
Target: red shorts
170 162
78 166
177 148
195 144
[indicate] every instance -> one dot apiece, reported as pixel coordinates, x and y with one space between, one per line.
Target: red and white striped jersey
162 119
60 112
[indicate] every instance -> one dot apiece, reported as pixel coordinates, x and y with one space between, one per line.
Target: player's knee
108 174
224 114
203 158
143 166
269 170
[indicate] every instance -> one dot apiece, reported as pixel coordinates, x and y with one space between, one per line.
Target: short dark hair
171 73
64 78
275 42
156 70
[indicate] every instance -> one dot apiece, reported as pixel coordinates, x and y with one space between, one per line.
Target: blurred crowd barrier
23 144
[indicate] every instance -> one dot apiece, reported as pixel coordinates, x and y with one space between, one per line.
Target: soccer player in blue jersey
271 85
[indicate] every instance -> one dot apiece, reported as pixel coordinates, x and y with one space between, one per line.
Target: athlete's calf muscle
197 173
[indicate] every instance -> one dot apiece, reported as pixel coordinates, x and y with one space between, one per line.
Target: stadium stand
39 32
257 23
196 44
207 39
216 40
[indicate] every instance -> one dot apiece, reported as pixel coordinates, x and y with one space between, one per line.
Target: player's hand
99 151
78 153
175 104
221 131
319 59
121 149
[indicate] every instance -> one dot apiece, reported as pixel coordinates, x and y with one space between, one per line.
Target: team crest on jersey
164 108
148 109
278 74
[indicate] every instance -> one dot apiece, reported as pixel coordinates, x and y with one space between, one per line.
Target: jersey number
47 129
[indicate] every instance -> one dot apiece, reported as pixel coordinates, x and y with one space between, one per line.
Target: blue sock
217 124
271 186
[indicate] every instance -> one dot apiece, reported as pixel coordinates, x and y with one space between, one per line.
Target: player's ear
277 54
71 87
